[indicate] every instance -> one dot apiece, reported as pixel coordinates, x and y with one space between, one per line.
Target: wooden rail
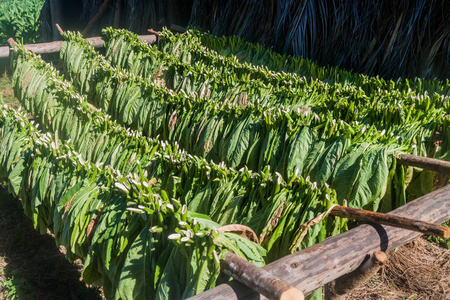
324 262
426 163
391 220
54 47
258 279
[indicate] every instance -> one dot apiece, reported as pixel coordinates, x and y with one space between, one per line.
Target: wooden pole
337 289
391 220
96 18
54 47
55 10
177 28
117 13
426 163
153 31
59 28
258 279
322 263
11 42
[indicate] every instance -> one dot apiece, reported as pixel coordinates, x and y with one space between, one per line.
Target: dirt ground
31 266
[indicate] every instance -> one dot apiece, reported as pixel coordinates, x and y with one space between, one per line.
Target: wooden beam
431 164
54 47
322 263
391 220
258 279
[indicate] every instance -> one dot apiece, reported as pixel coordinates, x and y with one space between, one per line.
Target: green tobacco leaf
327 163
172 280
295 155
15 176
200 203
236 144
205 272
136 278
361 177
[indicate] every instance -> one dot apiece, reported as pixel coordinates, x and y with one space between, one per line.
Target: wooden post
391 220
258 279
436 165
12 42
336 256
59 28
55 10
54 47
337 289
96 18
117 13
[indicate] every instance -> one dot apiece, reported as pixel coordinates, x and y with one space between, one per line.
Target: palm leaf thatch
387 38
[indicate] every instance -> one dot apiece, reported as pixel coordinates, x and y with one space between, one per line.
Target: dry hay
418 270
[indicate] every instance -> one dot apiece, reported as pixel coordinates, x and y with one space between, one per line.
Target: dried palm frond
390 39
387 38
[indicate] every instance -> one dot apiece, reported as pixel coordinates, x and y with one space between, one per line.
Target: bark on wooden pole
54 47
391 220
337 289
96 18
322 263
426 163
258 279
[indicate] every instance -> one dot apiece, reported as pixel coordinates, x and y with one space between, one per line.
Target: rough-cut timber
54 47
337 289
258 279
322 263
391 220
426 163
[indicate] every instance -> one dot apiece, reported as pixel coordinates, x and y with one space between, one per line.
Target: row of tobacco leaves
144 155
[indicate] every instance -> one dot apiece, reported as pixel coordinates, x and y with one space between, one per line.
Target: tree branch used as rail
322 263
258 279
391 220
54 47
431 164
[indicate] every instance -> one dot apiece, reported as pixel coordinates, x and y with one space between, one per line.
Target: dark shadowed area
31 266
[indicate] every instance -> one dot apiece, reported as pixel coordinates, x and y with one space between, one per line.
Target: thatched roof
387 38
